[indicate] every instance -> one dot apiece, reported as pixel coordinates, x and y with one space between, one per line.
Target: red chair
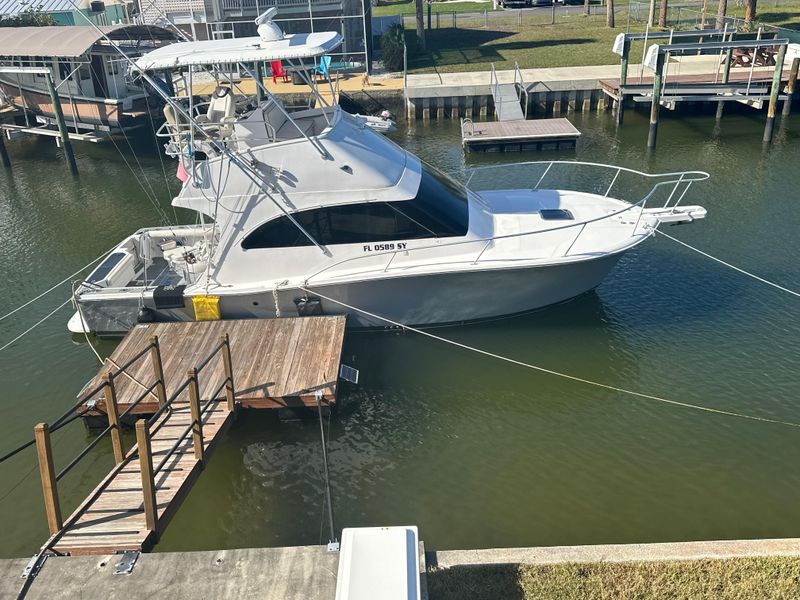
277 71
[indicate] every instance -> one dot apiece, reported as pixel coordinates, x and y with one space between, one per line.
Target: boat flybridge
312 212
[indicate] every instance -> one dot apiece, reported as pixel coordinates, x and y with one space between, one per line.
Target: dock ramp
507 101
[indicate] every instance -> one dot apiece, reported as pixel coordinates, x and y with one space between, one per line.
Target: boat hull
423 300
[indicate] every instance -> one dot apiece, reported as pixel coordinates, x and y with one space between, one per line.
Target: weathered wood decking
276 362
112 518
518 135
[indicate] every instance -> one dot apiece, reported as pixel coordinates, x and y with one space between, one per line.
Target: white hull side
415 300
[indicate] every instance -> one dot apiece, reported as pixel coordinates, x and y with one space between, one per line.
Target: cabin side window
440 209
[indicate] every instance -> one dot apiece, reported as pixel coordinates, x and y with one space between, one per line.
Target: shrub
392 48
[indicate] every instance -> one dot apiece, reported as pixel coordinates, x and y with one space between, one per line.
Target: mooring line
59 284
730 266
520 363
35 325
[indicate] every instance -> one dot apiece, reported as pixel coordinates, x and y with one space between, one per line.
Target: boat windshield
439 209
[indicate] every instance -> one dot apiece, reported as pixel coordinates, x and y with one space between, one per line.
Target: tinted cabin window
440 209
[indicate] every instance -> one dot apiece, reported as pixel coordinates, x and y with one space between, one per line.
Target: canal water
476 452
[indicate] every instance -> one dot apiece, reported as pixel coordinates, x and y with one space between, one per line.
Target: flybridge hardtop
290 47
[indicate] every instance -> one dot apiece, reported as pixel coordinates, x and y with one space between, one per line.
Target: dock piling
726 74
623 79
656 101
227 362
146 468
62 125
790 87
158 369
4 158
194 407
773 94
44 451
113 418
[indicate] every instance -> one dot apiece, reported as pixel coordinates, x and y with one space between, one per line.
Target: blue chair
324 67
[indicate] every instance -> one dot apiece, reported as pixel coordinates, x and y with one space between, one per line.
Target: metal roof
10 8
70 41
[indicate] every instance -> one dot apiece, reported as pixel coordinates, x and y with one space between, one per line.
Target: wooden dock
277 363
518 135
740 87
191 378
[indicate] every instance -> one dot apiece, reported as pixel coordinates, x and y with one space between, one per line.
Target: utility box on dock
379 562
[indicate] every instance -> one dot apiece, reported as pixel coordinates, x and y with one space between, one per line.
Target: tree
610 13
721 10
28 18
749 12
662 14
586 7
420 5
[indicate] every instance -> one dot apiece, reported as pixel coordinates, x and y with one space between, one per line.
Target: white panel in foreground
379 562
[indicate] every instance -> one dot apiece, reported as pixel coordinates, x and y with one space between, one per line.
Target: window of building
440 209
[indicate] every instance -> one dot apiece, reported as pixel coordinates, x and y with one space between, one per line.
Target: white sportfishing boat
312 212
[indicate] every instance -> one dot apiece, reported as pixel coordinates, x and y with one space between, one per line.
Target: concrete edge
672 551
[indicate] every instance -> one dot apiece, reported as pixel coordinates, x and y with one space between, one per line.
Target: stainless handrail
686 177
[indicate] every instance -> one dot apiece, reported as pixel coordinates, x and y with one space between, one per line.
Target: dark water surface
476 452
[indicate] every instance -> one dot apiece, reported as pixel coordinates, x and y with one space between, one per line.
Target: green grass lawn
772 578
573 41
407 7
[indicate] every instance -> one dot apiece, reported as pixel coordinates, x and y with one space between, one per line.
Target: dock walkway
190 379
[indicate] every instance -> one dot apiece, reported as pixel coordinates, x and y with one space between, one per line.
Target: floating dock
191 379
518 135
277 363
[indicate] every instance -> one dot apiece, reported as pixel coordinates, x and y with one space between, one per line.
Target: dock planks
112 518
517 135
276 362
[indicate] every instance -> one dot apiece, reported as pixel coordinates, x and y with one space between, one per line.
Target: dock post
194 407
4 158
44 451
62 125
148 480
158 369
259 80
773 94
726 74
227 362
790 87
656 102
623 79
113 418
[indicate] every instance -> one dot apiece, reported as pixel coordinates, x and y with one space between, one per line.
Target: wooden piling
148 481
194 407
44 451
66 144
623 79
4 158
656 101
113 418
726 73
227 362
158 370
773 94
790 87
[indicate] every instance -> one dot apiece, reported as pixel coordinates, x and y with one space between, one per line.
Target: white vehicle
299 211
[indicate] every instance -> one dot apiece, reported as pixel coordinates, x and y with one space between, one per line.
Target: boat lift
751 88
